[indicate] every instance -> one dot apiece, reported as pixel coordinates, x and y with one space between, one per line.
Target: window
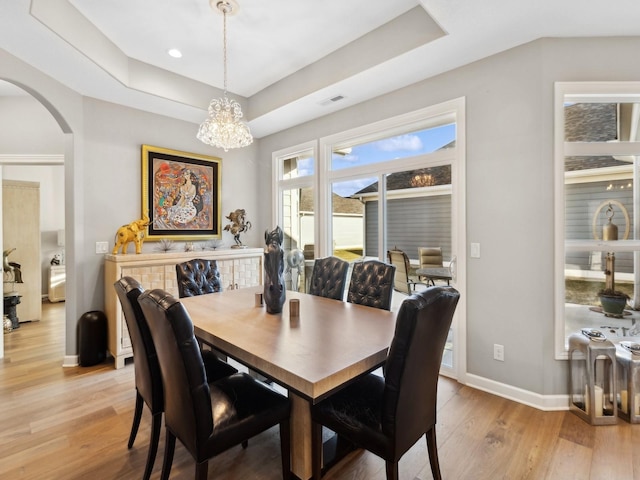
294 172
396 183
597 147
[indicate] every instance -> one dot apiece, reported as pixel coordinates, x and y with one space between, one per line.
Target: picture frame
180 194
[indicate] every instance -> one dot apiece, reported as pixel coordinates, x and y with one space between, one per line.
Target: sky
401 146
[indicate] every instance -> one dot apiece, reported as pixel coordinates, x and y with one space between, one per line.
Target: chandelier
422 180
224 127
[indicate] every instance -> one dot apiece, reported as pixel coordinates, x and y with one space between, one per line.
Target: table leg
300 437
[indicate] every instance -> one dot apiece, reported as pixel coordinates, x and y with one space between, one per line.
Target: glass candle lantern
592 379
628 381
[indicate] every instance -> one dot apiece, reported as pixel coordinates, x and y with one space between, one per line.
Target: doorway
24 157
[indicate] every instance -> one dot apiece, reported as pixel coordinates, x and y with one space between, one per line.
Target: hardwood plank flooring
73 423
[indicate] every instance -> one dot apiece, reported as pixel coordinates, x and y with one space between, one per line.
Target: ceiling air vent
331 100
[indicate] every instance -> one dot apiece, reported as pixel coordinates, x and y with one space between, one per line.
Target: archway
38 153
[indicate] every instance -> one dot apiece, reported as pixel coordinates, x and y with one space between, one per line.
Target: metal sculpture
274 288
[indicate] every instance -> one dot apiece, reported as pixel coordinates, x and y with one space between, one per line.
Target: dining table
323 348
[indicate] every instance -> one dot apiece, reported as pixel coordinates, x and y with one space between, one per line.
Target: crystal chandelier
224 127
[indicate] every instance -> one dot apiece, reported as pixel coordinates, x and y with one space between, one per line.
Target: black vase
274 289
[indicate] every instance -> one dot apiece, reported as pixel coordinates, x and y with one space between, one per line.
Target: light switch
475 250
102 247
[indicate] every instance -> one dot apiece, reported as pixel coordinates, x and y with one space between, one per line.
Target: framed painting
180 194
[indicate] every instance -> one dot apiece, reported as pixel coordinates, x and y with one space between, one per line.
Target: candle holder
592 378
294 307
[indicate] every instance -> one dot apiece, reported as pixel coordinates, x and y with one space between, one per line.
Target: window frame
586 92
452 111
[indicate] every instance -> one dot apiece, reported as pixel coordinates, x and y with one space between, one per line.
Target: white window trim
446 112
452 111
292 183
589 92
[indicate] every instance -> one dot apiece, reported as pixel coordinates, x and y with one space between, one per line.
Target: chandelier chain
224 47
224 127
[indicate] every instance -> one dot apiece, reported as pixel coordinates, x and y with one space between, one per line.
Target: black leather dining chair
197 277
147 369
329 277
388 415
372 284
207 418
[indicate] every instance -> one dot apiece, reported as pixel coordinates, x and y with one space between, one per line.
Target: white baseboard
70 361
535 400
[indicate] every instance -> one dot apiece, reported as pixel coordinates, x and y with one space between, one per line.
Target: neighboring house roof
339 204
591 122
421 177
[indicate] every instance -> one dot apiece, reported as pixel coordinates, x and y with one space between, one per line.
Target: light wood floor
73 423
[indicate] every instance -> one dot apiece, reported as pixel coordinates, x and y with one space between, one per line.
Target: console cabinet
238 268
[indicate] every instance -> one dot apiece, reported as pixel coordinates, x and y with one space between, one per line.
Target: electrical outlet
475 250
102 247
498 352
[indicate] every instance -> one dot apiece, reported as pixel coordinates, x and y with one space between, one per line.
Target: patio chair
430 257
402 281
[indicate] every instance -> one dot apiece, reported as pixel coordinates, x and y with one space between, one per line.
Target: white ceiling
285 57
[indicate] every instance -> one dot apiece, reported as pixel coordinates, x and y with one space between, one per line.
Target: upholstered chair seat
197 277
388 415
372 284
329 277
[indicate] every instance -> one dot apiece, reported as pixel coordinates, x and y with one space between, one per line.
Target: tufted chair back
372 284
388 415
147 369
198 276
413 364
329 277
207 418
187 402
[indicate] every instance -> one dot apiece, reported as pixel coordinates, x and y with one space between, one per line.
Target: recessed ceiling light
175 53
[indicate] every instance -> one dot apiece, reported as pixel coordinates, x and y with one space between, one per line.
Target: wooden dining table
325 347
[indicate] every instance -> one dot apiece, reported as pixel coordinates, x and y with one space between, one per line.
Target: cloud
350 158
401 142
348 188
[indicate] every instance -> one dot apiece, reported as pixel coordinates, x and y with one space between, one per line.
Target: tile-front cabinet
238 268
